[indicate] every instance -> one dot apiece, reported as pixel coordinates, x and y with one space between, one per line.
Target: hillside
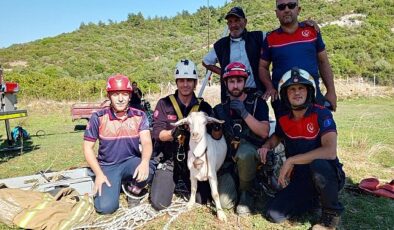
73 66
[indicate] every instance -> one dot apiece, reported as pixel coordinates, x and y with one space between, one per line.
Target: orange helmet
235 69
118 83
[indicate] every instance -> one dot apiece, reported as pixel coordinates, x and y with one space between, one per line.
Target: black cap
236 11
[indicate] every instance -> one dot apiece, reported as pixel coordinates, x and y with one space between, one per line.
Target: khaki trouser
247 161
227 191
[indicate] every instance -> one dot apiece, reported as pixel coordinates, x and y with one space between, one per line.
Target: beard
235 93
288 19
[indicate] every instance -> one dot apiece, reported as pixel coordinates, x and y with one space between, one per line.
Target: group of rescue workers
310 177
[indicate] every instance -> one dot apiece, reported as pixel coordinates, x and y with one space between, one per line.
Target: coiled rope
138 216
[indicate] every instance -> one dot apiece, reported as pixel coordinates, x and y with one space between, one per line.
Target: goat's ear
214 120
180 122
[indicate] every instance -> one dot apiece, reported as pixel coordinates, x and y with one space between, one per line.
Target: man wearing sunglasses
295 44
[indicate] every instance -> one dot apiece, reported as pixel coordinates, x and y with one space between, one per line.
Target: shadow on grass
79 127
302 221
362 210
365 211
8 151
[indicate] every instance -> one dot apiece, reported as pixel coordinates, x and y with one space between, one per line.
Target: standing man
171 143
136 96
119 130
240 46
312 172
246 127
295 44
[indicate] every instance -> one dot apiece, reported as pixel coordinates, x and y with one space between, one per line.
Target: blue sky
27 20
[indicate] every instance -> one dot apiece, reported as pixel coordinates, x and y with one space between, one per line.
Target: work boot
328 221
245 205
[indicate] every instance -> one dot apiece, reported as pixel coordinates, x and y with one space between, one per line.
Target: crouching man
172 143
119 130
246 127
311 175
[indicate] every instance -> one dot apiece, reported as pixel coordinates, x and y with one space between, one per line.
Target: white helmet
186 69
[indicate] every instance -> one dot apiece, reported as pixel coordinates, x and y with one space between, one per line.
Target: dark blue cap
237 12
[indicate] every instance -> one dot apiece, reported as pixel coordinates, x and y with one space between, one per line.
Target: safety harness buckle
180 156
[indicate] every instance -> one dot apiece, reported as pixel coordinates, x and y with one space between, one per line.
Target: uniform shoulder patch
327 122
156 113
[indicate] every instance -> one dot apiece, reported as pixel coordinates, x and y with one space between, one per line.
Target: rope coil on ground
136 217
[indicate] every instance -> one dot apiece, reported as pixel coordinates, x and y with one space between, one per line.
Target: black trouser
163 186
319 181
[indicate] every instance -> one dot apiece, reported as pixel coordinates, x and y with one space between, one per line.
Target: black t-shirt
135 99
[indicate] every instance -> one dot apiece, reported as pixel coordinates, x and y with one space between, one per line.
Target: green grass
366 147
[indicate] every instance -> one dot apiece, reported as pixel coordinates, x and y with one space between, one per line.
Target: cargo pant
247 160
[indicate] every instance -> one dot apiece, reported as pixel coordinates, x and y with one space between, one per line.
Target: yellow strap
12 116
178 110
176 107
80 213
33 211
197 106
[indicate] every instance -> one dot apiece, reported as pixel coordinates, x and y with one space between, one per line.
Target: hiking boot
245 205
327 221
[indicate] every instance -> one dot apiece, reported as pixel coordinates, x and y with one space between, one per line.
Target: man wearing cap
241 46
171 143
119 130
295 44
245 129
312 175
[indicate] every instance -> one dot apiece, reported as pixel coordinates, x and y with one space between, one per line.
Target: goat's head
197 122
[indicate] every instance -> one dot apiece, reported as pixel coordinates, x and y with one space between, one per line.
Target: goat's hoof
189 205
222 216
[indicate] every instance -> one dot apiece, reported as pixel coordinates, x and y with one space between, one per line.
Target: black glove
179 130
239 107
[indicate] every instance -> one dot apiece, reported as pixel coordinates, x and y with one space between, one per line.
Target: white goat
206 155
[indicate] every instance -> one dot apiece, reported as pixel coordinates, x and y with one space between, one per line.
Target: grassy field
366 147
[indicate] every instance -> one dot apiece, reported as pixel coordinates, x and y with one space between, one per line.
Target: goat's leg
193 186
213 182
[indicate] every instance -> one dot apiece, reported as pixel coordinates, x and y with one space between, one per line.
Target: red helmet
235 69
119 83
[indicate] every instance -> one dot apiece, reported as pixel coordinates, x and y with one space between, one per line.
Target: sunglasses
290 5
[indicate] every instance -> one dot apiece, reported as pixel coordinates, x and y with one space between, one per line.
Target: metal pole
8 131
209 73
209 17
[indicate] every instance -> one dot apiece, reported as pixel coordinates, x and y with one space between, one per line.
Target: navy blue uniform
318 181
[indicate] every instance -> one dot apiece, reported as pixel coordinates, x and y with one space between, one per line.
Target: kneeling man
312 174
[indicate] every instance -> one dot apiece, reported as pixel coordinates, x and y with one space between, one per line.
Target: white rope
136 217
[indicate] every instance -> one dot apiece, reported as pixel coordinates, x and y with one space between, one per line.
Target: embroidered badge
172 117
310 127
327 122
156 113
306 33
